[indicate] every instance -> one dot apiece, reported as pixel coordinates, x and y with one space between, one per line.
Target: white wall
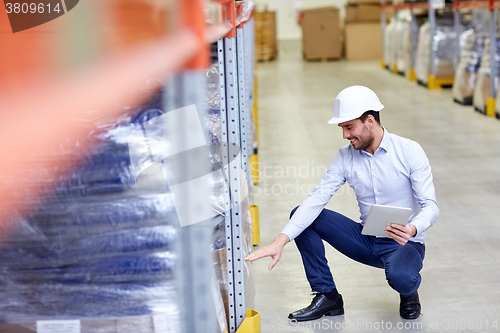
286 13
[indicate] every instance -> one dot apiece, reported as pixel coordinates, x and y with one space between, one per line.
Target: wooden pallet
266 45
321 59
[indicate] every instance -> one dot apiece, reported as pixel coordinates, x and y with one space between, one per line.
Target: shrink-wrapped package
482 87
471 52
444 45
93 245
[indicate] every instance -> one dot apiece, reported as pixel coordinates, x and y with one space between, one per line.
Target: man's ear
370 120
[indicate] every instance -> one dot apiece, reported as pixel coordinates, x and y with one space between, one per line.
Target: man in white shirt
383 169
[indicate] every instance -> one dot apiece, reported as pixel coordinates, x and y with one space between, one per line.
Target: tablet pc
381 216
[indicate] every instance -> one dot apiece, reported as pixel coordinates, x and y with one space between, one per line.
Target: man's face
357 133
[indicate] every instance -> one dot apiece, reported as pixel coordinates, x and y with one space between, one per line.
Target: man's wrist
414 230
282 239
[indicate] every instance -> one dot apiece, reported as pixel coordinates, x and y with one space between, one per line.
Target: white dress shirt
397 174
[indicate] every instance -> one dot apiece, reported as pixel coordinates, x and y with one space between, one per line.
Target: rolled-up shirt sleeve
312 206
423 189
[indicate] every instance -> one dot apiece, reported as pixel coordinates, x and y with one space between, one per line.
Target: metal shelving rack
434 83
491 6
430 6
235 62
396 8
194 273
194 269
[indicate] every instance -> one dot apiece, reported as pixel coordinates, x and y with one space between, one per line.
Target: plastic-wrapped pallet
389 44
403 53
401 35
482 87
412 47
422 57
406 48
486 87
479 99
393 45
95 245
444 45
471 51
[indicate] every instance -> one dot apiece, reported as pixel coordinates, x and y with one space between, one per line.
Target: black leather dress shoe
320 306
409 308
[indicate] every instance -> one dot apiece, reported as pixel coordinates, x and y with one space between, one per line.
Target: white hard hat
352 102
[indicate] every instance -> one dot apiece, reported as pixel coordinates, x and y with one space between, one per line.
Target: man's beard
363 144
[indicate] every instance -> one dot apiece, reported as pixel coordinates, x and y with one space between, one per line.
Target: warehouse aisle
460 290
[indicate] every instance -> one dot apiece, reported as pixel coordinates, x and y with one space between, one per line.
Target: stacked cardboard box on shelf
321 33
363 33
266 46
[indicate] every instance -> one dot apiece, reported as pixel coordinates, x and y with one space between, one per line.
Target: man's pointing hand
272 250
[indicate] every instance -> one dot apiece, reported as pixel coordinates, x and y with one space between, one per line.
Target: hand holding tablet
381 216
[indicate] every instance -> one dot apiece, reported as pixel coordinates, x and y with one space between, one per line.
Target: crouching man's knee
403 281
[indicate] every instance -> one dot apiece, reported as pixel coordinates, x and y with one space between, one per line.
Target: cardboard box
371 2
363 41
445 70
321 33
362 13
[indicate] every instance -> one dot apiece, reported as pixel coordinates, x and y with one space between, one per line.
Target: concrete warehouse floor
460 290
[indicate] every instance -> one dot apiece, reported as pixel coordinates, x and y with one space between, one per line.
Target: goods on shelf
472 45
444 44
266 45
390 42
400 48
321 33
95 246
482 87
403 42
244 11
90 243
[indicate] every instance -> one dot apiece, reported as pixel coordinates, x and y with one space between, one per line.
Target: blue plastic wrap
94 245
476 52
444 45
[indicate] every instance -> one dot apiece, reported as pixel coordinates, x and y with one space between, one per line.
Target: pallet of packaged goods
265 36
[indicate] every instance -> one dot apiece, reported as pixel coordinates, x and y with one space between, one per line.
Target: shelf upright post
490 103
382 26
194 268
228 71
432 53
413 43
247 32
458 28
394 68
249 81
244 113
251 42
247 35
